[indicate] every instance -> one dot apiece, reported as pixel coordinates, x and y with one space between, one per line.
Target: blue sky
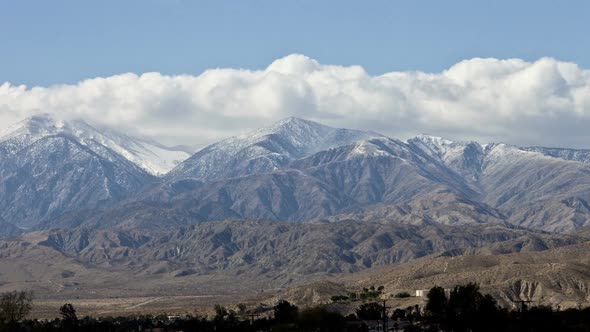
50 42
349 64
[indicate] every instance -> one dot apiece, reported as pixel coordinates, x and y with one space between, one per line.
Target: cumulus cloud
546 102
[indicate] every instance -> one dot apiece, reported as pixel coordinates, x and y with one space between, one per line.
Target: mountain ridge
264 150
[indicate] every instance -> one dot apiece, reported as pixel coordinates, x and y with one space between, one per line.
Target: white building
424 292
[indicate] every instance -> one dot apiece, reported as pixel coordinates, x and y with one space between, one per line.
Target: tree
465 310
398 313
242 308
463 306
436 306
470 310
339 298
69 317
68 313
369 311
15 306
220 312
285 312
320 319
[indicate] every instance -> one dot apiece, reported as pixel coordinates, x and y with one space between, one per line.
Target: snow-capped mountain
151 156
49 167
294 170
465 158
581 155
265 150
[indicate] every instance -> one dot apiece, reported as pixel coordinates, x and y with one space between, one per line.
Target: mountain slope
528 187
56 174
464 158
264 150
537 191
7 229
558 276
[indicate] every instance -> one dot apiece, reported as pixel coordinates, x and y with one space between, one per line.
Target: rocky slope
283 253
286 248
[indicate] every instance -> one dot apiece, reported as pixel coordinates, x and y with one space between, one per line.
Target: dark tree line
467 309
462 309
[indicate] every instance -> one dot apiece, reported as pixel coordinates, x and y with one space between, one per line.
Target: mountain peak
288 125
440 141
152 157
266 149
44 124
293 120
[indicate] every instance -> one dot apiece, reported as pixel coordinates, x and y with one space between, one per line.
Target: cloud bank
546 102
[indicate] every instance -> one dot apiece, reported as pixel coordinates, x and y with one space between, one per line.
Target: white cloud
544 102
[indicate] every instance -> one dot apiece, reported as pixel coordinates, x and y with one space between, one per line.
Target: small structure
424 292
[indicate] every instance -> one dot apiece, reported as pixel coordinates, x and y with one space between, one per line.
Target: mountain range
68 173
297 198
295 170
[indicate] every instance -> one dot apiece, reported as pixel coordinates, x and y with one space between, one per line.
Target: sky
192 72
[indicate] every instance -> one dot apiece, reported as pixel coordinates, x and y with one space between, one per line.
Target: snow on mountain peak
266 149
149 155
298 137
288 127
434 139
